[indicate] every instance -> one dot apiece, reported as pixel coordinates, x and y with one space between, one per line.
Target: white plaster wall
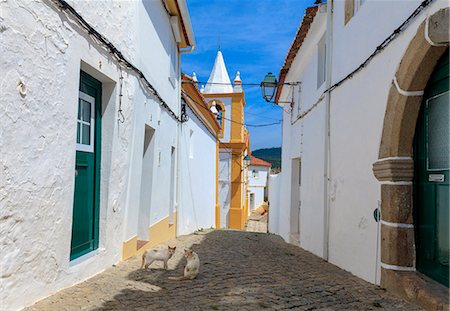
224 186
357 114
261 179
274 203
198 177
304 140
360 104
37 139
257 185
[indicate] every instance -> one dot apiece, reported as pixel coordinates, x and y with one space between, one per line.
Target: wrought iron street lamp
269 86
247 160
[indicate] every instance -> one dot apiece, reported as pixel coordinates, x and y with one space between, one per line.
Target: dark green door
431 176
87 168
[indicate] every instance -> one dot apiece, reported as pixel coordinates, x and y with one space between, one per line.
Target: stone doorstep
418 289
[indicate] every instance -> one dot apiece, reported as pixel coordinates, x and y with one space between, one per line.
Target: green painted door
431 176
87 168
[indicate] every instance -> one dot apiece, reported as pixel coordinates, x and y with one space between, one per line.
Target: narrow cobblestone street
239 271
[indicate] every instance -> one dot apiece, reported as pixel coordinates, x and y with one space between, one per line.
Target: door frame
97 85
394 168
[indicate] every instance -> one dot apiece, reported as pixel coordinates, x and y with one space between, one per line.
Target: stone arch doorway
395 166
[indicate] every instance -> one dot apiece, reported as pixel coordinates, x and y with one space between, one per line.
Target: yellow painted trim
235 96
236 147
236 206
129 248
160 232
237 117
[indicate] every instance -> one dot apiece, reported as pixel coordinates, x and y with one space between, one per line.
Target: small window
191 144
85 123
255 174
321 61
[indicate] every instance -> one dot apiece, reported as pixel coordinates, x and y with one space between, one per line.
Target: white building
199 162
349 127
89 142
258 176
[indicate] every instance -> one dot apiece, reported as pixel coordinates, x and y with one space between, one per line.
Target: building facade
366 143
199 162
258 176
90 140
228 101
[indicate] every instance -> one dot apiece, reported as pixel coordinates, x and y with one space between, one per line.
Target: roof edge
296 44
187 24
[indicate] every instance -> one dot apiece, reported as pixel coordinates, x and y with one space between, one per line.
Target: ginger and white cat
163 254
192 266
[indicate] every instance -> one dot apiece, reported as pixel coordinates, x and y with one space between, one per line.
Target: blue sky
255 36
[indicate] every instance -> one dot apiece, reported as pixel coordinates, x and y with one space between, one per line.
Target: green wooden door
87 168
431 176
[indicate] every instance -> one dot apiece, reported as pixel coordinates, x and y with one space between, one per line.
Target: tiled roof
295 46
258 162
197 97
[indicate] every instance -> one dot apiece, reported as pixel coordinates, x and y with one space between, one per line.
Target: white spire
237 83
238 78
194 77
219 81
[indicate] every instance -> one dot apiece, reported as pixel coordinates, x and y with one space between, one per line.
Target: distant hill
272 155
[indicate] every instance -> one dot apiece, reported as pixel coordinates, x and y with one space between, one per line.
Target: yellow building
227 101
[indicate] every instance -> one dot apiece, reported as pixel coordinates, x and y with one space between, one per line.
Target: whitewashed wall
309 147
274 203
37 136
224 186
198 177
354 189
257 184
357 113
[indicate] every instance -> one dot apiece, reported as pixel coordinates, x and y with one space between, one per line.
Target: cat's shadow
157 275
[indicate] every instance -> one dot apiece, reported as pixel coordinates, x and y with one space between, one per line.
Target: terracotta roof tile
259 162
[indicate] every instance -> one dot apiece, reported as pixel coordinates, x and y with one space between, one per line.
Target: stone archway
395 166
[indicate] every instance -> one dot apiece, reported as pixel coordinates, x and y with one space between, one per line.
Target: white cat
157 254
192 266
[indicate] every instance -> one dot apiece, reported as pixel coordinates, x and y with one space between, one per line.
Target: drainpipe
327 156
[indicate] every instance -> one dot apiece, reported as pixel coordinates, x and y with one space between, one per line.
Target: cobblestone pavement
240 271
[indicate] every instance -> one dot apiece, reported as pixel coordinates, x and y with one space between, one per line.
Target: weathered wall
46 50
198 177
357 112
